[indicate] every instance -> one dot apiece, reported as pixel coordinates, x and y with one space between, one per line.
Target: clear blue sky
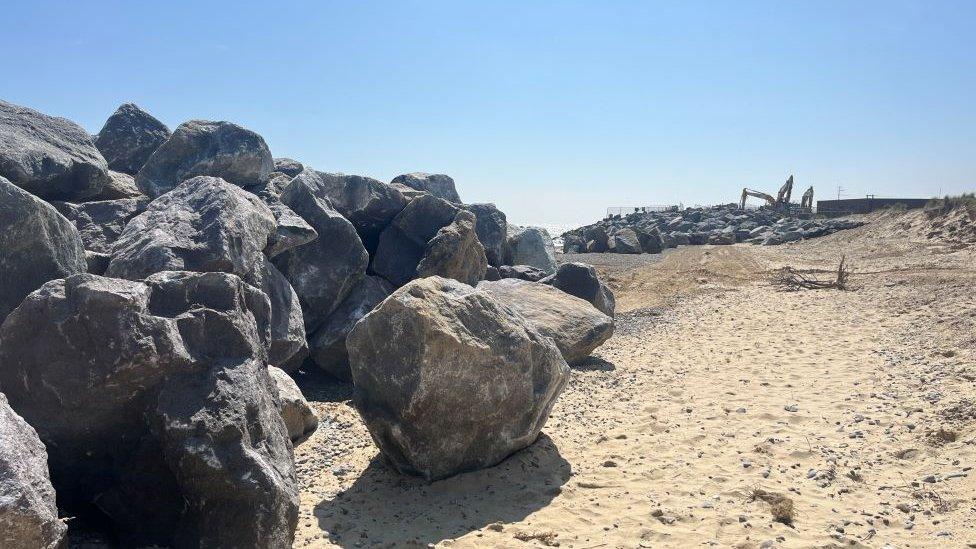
552 110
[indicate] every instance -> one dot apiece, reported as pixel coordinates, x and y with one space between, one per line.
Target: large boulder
576 326
625 241
439 185
156 406
37 244
403 243
325 270
369 204
649 239
492 228
28 513
49 157
521 272
580 280
206 224
530 246
300 419
200 147
100 223
464 384
129 137
119 185
328 343
287 166
455 252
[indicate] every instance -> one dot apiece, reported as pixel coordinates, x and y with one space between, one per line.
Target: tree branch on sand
789 279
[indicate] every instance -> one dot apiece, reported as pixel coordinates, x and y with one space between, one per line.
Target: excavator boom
749 192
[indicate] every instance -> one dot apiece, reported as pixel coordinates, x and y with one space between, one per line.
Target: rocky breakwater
151 318
652 232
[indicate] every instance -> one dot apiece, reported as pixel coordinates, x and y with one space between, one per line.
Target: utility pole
839 190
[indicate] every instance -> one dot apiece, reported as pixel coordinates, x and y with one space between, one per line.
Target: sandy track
856 405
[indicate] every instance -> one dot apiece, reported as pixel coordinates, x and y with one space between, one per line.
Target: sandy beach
718 396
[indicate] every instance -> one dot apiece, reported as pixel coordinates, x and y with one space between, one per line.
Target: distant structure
868 204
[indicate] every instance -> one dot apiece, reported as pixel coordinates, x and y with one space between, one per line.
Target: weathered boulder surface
129 137
492 228
100 223
206 224
464 384
521 272
455 252
325 270
49 157
403 243
576 326
368 203
328 343
439 185
201 147
299 418
156 406
580 280
28 512
530 246
625 241
119 185
287 166
37 244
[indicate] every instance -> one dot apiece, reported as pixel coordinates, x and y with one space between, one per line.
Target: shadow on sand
421 513
593 364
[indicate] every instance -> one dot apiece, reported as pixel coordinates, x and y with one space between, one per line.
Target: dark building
847 206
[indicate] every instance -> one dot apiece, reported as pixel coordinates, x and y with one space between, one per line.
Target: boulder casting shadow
432 512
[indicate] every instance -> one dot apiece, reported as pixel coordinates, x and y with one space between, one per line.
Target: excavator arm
749 192
783 197
807 200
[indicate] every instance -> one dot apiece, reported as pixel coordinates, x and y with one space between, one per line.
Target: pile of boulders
158 288
652 232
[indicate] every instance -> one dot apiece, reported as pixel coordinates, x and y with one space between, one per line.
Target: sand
857 406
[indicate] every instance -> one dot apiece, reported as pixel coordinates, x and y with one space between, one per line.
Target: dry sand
858 406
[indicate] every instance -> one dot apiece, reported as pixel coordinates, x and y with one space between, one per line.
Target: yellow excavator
782 200
806 202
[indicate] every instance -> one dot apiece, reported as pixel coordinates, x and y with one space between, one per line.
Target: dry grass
546 538
780 506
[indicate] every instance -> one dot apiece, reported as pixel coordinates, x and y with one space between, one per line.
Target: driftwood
792 280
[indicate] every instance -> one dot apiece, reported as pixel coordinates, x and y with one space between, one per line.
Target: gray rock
403 243
465 384
300 419
325 270
369 204
580 280
100 223
49 157
576 326
287 166
97 262
530 246
521 272
492 228
455 252
129 137
201 147
625 241
439 185
37 244
206 224
156 406
650 239
28 513
328 344
119 185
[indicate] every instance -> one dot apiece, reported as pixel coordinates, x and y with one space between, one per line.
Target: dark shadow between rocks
318 386
426 513
593 364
